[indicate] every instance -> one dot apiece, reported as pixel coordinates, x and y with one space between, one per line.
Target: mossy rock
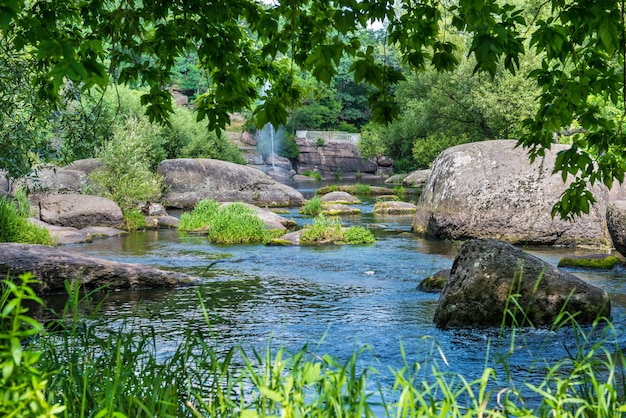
280 242
435 282
339 209
597 261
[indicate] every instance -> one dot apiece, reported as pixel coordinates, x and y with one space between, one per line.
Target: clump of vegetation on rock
358 235
312 207
591 262
325 230
14 227
234 223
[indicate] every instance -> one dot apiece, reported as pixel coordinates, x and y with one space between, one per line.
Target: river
338 297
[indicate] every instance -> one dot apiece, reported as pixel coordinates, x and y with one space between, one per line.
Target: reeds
80 367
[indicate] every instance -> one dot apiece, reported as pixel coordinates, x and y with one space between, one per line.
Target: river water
340 298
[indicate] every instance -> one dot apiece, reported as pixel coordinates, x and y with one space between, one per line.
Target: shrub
339 174
425 150
312 207
234 223
14 227
320 142
399 190
126 175
358 235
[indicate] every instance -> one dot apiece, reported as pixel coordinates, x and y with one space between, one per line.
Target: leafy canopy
243 45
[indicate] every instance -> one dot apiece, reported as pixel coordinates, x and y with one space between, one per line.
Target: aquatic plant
233 223
83 367
601 263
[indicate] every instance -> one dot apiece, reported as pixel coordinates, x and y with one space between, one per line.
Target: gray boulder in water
490 190
52 266
190 180
487 272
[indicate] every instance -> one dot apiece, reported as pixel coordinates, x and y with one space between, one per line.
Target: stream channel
338 297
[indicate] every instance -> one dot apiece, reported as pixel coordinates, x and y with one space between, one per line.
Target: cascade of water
272 142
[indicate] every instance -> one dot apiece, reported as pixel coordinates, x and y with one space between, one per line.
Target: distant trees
244 45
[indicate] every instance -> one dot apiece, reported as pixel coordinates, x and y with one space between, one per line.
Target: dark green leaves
8 11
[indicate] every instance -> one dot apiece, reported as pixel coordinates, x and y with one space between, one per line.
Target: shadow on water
344 296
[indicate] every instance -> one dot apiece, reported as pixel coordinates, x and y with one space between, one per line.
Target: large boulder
416 178
340 197
51 266
86 165
616 223
52 181
80 211
490 190
331 157
486 273
190 180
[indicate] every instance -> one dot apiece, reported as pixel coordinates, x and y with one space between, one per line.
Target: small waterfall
272 142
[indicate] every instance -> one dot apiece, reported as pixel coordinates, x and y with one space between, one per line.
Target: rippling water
341 297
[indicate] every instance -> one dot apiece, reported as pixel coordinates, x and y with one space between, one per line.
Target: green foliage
86 124
358 235
323 230
199 217
249 54
425 150
14 227
23 115
328 230
126 177
23 387
602 263
362 189
338 174
312 207
371 141
134 219
320 142
314 174
234 223
399 191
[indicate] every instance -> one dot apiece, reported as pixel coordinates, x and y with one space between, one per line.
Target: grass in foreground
82 370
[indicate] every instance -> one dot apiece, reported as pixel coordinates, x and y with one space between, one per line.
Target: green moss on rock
599 262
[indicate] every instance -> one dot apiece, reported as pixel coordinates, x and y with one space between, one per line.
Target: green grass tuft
234 223
14 227
312 207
